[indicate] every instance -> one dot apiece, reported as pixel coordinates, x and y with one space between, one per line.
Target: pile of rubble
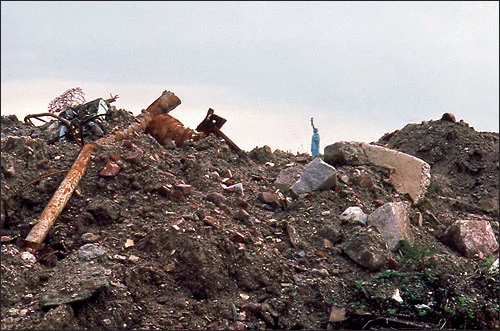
172 228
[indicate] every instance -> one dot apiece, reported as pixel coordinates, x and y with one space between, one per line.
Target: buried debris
154 120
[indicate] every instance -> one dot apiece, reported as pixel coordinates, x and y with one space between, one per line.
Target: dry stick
164 104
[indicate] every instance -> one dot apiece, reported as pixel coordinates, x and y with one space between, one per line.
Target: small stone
90 252
241 215
184 188
133 258
393 264
28 257
354 215
238 238
111 169
449 117
337 314
128 243
134 157
292 235
378 202
216 198
365 181
90 237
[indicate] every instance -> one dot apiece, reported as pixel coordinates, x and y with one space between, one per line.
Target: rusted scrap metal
212 124
60 198
164 127
165 103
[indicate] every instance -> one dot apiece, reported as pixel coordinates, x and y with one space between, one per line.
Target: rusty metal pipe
164 104
60 198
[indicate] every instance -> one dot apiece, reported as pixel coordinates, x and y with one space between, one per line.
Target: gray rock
74 281
393 222
470 236
316 176
89 252
367 248
104 210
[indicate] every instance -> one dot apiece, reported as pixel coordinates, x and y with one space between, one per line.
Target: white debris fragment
396 296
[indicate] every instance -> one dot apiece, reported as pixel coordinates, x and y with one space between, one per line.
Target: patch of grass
416 252
389 273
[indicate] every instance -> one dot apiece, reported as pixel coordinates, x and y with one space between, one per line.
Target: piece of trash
396 296
234 188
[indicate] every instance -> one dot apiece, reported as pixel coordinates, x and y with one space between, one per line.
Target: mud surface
162 244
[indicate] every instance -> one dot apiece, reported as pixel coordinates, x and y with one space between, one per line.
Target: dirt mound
164 244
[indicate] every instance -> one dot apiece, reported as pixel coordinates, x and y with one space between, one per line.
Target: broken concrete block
408 174
354 215
367 248
287 177
393 222
316 176
470 236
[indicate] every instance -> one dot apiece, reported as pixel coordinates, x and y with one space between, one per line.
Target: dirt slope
215 259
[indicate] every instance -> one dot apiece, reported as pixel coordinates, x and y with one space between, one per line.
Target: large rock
470 236
393 222
367 248
316 176
408 174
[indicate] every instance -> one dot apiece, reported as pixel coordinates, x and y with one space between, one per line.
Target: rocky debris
448 117
471 237
354 215
287 177
367 248
206 257
392 221
58 318
316 176
407 174
261 154
84 282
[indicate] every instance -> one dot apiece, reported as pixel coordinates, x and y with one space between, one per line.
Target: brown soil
214 259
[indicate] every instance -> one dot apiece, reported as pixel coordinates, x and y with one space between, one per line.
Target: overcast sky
361 69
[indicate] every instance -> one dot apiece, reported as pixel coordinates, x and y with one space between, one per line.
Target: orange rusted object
60 198
163 105
164 127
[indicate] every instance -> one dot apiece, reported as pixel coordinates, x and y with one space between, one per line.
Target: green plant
391 311
416 252
289 288
450 310
388 274
330 299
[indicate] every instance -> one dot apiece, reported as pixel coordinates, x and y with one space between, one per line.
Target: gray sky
361 69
